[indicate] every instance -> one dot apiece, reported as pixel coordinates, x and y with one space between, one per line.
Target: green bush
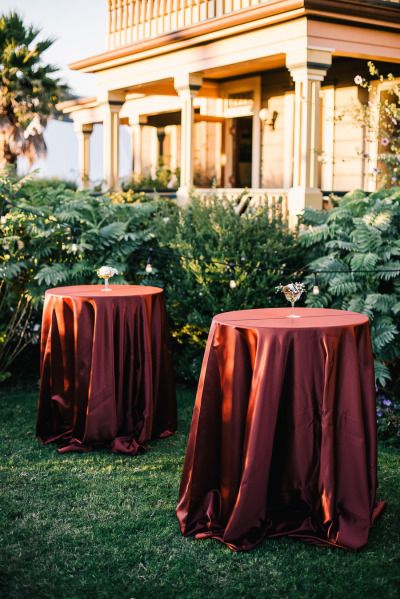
54 236
200 250
360 238
357 244
34 185
165 180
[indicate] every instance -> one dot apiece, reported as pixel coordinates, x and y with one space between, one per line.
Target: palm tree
29 90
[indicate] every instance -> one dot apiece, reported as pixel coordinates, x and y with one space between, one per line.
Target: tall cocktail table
283 436
106 369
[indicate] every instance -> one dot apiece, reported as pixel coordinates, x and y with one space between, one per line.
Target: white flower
358 79
385 141
106 272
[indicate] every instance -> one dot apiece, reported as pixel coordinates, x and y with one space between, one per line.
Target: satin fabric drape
283 435
106 370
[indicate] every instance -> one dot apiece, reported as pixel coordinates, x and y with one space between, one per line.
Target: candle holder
105 273
292 292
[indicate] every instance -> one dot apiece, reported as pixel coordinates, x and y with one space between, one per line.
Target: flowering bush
381 118
388 415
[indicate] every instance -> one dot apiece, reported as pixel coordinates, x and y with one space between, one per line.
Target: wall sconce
267 119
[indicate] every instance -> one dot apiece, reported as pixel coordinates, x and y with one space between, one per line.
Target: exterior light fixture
267 119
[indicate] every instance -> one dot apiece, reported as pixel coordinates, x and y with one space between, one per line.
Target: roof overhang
370 13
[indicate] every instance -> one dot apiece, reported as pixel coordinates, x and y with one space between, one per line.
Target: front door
242 151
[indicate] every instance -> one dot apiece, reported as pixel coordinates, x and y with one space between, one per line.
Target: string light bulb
232 284
149 267
315 289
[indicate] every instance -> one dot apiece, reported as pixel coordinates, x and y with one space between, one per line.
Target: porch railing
131 21
275 201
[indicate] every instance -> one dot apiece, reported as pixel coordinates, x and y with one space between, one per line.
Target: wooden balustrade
132 21
275 200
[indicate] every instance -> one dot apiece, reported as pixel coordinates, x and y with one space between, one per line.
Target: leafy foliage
165 179
360 249
55 236
200 251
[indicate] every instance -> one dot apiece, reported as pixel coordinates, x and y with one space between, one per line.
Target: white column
111 110
308 68
256 137
328 139
187 87
135 124
83 133
172 131
288 137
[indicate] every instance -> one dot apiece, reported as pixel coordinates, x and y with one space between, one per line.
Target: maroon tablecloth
283 436
106 372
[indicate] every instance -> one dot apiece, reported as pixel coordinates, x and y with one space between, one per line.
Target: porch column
83 133
308 68
161 139
135 124
187 87
111 110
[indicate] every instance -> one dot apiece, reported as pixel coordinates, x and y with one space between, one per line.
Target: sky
80 29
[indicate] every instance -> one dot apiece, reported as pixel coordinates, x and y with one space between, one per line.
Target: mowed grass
103 526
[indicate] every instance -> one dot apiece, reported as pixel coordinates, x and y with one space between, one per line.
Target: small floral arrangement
291 291
106 272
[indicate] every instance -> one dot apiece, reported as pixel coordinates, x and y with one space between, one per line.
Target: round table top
282 318
91 291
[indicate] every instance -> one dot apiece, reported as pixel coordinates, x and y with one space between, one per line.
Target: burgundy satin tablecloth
283 435
106 373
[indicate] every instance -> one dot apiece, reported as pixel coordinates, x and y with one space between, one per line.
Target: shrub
55 236
165 180
357 244
200 250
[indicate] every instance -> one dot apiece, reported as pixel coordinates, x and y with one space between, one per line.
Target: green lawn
103 526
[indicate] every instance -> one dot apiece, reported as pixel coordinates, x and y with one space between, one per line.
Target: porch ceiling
211 77
257 65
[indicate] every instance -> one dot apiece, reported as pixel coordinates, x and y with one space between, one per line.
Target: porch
238 94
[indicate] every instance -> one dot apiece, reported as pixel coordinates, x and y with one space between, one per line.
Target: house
256 94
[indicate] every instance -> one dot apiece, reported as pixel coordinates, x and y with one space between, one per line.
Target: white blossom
106 272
